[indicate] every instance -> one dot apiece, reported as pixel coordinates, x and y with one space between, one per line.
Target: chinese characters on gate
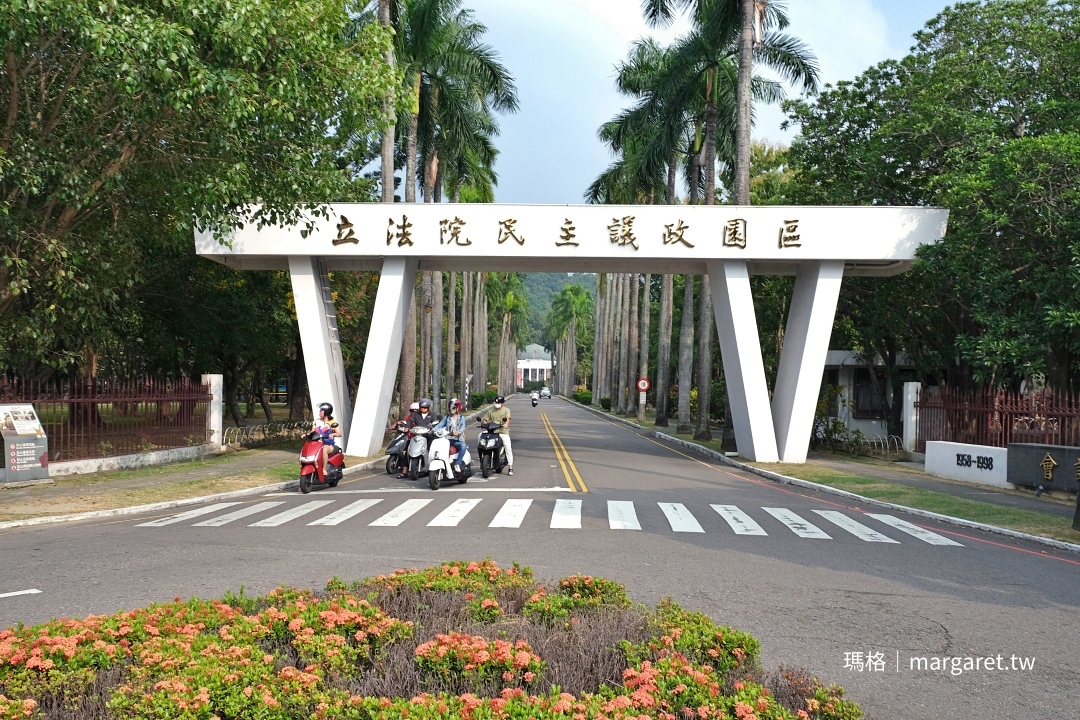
620 232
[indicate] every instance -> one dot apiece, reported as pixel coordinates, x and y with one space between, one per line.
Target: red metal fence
997 418
92 417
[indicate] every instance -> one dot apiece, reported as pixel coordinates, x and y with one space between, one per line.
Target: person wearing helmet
500 415
328 429
422 416
454 422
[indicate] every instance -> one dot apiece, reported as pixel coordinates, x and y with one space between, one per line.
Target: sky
563 53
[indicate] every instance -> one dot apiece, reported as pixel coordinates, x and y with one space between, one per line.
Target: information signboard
26 448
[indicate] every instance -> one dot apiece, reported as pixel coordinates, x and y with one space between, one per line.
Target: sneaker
511 471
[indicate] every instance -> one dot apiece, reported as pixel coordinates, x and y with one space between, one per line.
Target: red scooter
311 464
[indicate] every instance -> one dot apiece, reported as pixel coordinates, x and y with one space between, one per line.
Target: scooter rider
500 415
455 426
422 416
328 430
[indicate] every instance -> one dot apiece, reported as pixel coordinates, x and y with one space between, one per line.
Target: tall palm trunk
480 345
634 319
706 323
686 355
571 372
646 321
624 342
425 335
437 341
663 350
467 323
387 148
743 100
410 159
598 311
451 335
408 359
672 172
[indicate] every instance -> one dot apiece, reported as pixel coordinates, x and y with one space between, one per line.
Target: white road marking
187 515
567 514
511 514
237 514
797 524
400 514
621 515
31 591
915 531
468 487
352 509
291 514
739 521
680 519
855 527
453 515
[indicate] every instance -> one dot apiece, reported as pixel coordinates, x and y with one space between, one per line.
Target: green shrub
605 403
490 395
477 400
583 396
457 640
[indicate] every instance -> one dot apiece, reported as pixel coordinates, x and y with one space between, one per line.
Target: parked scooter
535 398
418 451
311 464
395 451
490 448
443 462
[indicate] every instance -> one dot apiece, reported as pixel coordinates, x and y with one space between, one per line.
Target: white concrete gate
818 245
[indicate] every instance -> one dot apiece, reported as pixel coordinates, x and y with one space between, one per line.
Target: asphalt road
823 584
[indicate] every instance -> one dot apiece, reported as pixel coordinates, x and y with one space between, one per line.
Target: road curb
169 504
784 479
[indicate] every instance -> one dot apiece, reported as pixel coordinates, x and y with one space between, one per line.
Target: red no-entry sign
643 384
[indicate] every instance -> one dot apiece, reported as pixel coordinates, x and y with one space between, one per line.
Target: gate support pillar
802 360
317 321
740 348
382 355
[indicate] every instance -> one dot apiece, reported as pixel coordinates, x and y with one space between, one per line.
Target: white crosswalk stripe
622 516
914 531
797 524
187 515
351 510
511 514
565 515
453 515
854 527
680 519
739 521
291 514
401 513
237 514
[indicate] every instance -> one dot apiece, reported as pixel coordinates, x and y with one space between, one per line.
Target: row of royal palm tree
571 310
687 106
454 83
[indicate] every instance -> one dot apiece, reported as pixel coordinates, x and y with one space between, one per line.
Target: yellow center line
556 442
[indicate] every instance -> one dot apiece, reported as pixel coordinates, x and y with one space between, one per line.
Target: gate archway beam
818 245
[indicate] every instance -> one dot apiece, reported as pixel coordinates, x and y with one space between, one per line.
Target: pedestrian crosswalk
565 515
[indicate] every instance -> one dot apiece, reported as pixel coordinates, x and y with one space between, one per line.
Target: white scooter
443 462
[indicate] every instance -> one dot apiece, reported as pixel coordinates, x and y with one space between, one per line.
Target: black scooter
491 450
395 451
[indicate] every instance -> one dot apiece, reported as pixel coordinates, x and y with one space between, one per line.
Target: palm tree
570 309
686 355
448 71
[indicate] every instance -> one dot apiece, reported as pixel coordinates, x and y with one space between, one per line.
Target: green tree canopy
983 117
129 122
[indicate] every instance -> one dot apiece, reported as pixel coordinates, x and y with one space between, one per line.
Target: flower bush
297 653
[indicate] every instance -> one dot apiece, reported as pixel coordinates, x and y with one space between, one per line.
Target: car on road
545 392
